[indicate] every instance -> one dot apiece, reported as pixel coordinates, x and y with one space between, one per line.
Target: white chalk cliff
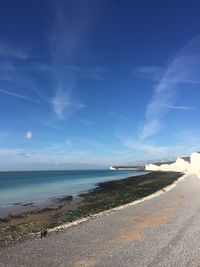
180 165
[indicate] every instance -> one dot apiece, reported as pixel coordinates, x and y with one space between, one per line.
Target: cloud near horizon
184 143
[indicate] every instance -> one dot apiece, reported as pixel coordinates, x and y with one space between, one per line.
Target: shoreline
31 203
68 210
106 212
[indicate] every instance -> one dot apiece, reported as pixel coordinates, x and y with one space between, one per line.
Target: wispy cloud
181 107
67 31
184 144
10 51
67 34
24 154
184 67
20 96
63 104
139 146
156 74
150 72
150 128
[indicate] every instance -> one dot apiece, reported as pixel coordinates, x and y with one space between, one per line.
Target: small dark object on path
43 233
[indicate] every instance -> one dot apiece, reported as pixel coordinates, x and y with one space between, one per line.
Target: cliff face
195 163
180 165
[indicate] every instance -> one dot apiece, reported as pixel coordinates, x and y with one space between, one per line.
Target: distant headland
127 168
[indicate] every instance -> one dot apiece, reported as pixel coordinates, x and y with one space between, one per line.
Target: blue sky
89 84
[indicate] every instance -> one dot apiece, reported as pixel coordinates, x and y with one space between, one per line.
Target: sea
18 187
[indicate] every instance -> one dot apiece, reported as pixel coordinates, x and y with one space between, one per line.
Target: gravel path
163 231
